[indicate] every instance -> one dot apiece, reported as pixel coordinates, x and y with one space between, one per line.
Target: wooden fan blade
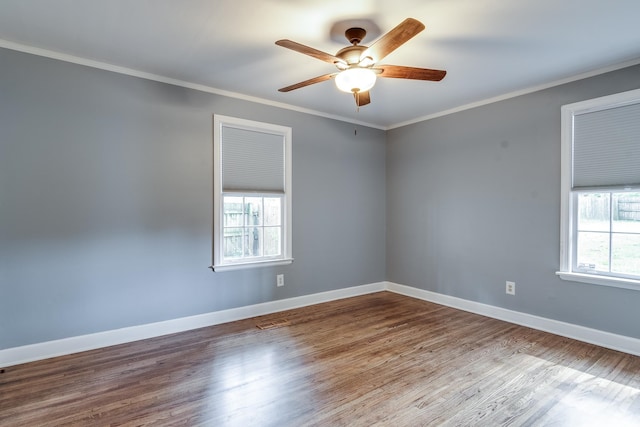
308 82
362 98
315 53
393 39
401 72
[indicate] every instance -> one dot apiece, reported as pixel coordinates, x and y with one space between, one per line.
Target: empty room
319 213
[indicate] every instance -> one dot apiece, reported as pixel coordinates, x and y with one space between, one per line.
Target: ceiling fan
358 65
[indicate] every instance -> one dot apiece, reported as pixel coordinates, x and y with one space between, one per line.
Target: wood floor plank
379 359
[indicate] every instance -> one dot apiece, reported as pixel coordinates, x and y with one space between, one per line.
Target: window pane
593 212
253 210
253 227
626 212
233 212
593 251
233 238
253 242
625 256
272 242
272 211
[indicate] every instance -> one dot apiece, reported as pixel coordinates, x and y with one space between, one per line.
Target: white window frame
568 214
219 263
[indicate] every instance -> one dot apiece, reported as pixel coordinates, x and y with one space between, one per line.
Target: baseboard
581 333
61 347
45 350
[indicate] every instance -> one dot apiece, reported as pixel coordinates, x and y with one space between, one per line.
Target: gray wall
106 203
473 200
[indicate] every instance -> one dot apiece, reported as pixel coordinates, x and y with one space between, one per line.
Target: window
600 207
608 234
252 194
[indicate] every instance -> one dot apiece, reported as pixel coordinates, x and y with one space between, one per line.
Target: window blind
606 147
252 161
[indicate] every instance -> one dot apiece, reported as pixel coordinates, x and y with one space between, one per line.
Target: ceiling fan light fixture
355 63
356 79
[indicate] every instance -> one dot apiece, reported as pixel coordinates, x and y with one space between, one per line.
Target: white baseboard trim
45 350
65 346
593 336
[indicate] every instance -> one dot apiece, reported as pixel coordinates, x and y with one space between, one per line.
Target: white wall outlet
280 280
511 288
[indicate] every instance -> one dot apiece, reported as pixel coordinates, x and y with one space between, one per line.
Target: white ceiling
490 48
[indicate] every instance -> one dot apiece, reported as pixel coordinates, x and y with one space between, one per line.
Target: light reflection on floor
591 401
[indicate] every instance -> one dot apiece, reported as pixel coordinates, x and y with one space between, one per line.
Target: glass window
252 194
608 233
600 205
252 227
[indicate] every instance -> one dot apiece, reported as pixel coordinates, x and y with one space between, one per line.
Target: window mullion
244 227
610 231
574 230
262 213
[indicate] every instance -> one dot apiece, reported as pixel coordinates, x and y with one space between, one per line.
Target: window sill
245 265
615 282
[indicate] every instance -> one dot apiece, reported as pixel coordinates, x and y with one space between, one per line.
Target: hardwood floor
379 359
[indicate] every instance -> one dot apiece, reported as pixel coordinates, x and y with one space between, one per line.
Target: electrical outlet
511 288
280 280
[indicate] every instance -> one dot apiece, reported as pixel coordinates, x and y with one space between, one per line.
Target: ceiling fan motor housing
351 54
